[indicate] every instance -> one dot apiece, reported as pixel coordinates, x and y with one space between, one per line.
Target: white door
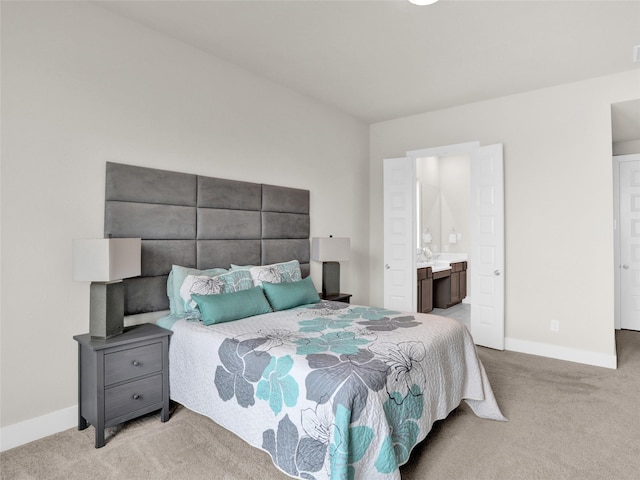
487 246
399 242
630 245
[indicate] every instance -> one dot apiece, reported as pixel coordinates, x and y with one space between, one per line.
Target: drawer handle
135 363
136 396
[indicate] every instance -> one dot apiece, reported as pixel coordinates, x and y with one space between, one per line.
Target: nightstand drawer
131 363
132 396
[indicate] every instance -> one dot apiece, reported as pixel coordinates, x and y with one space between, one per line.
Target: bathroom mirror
443 210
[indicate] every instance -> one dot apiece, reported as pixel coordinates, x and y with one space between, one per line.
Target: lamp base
330 278
106 313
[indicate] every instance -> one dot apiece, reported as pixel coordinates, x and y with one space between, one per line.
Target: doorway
486 256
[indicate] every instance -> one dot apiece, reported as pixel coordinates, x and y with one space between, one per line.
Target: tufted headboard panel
200 222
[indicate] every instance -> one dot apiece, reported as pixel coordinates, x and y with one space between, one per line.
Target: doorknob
626 267
496 273
387 266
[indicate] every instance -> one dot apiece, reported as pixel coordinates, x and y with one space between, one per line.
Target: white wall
558 202
455 188
628 147
81 86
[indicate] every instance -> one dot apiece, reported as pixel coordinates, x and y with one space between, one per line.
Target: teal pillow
176 279
224 307
283 296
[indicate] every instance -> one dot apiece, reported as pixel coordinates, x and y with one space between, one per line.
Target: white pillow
205 285
284 272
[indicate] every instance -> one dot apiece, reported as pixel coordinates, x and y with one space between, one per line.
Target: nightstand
122 377
336 297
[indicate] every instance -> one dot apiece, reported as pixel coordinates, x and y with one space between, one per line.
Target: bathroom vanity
451 286
425 290
441 285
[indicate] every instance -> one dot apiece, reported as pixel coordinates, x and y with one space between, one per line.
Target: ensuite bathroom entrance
443 245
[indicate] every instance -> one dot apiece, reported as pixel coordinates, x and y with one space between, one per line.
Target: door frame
466 148
617 159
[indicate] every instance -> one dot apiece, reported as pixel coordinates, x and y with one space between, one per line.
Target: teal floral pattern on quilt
350 443
336 342
277 386
403 411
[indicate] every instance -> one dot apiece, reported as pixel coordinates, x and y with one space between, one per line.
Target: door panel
399 243
486 263
630 245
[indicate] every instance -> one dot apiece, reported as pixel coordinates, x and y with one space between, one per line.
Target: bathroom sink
437 266
443 261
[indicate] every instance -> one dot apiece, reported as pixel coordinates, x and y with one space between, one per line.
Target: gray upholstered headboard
200 222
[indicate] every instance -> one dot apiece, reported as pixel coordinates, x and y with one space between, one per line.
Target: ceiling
380 60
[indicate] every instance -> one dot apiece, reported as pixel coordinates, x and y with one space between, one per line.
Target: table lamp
330 251
105 262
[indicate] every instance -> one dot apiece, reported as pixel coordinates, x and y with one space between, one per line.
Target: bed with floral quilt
330 390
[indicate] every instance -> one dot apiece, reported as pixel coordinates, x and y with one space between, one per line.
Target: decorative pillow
175 280
233 267
225 307
283 296
276 273
204 285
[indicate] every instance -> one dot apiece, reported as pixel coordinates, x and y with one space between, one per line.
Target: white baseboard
35 428
561 353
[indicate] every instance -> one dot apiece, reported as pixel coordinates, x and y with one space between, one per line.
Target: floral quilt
330 390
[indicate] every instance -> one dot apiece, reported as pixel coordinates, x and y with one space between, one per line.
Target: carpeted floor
566 421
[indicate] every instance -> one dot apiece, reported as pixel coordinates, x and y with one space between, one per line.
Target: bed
330 390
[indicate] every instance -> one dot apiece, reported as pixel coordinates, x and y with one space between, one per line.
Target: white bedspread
330 390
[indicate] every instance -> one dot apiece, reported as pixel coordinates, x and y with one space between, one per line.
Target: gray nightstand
337 297
122 377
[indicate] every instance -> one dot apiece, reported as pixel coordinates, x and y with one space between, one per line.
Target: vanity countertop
443 262
435 266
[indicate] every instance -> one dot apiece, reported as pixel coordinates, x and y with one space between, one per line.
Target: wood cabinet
122 377
450 289
425 290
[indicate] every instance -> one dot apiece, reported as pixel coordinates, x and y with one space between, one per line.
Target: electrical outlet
555 325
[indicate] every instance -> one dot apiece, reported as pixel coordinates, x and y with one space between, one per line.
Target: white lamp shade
106 259
330 249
